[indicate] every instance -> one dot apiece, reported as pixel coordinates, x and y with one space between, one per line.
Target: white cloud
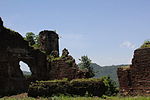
127 44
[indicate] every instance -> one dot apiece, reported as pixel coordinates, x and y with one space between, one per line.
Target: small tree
33 40
37 42
30 38
85 64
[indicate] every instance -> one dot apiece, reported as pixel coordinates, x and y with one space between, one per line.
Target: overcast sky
108 31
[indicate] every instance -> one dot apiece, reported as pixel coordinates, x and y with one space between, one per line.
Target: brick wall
135 80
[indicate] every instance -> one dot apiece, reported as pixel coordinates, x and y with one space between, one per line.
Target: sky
107 31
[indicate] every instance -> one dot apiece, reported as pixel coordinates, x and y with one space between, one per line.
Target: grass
76 98
129 98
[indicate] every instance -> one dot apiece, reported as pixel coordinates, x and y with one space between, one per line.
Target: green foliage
85 64
90 87
32 39
94 87
52 58
111 86
62 97
37 42
48 88
146 44
69 62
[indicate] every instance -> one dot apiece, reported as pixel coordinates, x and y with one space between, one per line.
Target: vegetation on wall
51 58
146 44
81 87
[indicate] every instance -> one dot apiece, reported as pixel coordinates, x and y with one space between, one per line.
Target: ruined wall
64 67
58 67
13 49
135 80
49 41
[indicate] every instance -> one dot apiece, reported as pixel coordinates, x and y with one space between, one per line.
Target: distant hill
26 73
110 71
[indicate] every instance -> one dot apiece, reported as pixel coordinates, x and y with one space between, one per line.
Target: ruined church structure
13 49
135 79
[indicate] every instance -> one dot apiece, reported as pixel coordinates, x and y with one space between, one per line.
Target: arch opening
25 69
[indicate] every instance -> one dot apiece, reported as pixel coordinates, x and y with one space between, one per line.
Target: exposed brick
135 80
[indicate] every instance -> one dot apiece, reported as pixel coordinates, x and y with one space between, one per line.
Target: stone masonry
49 41
13 49
65 67
135 79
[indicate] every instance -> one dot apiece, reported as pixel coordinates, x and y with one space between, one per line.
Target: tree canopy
32 39
85 64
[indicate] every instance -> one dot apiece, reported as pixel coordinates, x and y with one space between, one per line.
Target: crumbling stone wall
64 67
135 79
13 49
58 67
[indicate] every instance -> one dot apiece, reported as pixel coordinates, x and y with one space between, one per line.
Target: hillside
26 73
106 71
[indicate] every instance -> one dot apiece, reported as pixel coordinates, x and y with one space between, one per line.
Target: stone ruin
49 41
13 49
135 79
65 67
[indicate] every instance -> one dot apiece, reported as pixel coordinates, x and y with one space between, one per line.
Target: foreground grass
75 98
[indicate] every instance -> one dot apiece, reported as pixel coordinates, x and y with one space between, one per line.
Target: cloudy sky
108 31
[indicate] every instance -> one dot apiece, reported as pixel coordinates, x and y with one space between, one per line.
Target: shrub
110 85
94 87
48 88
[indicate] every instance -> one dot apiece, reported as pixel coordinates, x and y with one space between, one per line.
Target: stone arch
13 50
25 68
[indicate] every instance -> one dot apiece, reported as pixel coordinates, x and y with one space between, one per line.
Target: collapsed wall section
64 67
138 74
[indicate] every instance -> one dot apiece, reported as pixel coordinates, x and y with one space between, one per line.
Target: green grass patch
77 98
